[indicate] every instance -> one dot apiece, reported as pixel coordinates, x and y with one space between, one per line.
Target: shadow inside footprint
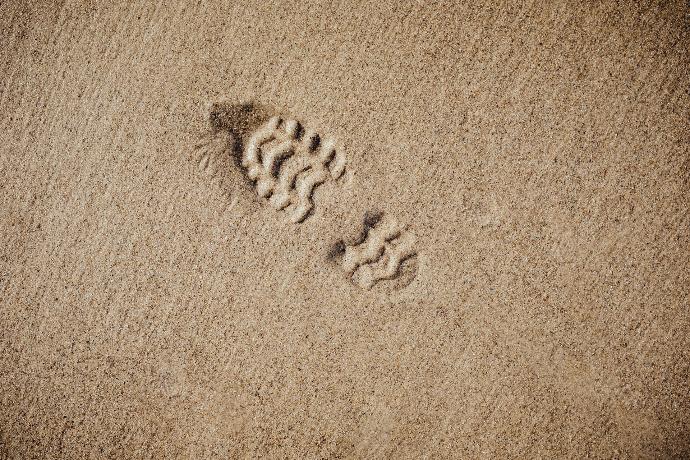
239 120
218 153
369 221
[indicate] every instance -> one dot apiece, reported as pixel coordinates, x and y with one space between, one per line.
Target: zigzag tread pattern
287 163
380 256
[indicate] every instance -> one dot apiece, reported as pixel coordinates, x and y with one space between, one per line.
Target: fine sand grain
344 229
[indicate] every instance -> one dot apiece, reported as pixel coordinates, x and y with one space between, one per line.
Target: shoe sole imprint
285 163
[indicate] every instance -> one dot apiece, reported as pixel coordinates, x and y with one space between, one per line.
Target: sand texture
344 229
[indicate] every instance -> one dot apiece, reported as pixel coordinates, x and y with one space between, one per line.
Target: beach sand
483 251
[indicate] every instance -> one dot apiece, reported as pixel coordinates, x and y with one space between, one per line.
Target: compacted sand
344 230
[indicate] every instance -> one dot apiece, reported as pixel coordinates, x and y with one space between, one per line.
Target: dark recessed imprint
384 250
230 125
282 160
371 218
218 152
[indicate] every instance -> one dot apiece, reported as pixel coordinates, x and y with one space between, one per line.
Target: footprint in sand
284 162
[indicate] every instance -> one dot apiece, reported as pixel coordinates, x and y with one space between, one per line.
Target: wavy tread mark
380 256
287 165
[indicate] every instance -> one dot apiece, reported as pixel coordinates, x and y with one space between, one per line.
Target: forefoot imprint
287 163
282 161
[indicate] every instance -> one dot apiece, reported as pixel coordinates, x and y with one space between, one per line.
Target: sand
484 254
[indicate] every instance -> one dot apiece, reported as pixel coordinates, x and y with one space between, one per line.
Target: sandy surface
535 157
